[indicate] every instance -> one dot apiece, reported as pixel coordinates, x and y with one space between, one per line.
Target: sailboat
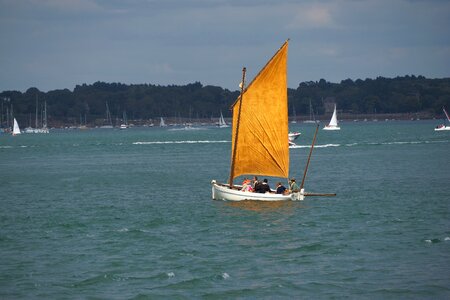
222 123
445 125
124 125
44 128
294 115
108 118
162 123
333 125
312 119
259 143
16 129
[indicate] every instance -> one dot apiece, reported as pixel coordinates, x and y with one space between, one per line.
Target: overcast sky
56 44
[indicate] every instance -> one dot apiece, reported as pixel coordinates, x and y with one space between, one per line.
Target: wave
179 142
18 146
316 146
186 128
368 144
228 141
437 240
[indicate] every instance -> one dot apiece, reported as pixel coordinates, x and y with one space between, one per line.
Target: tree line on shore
143 103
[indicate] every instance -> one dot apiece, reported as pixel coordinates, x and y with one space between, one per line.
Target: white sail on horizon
333 125
333 121
16 129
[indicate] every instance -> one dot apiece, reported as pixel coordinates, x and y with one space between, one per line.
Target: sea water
125 214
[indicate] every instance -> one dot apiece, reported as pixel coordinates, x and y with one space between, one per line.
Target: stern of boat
213 189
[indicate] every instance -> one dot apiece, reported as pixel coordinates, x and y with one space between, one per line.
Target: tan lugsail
261 145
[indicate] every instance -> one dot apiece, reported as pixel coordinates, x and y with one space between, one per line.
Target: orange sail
259 139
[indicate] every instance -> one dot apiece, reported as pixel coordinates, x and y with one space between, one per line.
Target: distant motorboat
292 137
445 125
333 125
441 127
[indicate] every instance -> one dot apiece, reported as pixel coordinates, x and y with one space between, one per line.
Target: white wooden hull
223 192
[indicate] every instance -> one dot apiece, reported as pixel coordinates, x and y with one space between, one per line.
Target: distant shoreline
370 117
299 120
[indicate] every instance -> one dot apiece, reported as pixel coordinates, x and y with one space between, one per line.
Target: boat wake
179 142
295 146
315 146
368 144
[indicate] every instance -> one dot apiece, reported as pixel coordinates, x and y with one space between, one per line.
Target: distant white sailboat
44 128
16 129
445 125
124 124
311 120
162 123
294 118
333 125
108 118
222 123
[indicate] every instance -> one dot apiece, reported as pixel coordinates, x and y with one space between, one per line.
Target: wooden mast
309 157
233 157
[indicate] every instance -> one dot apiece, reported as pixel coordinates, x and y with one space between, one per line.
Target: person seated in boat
247 185
263 187
255 182
281 189
293 186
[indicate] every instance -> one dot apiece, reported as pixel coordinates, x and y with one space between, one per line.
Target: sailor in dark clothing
280 188
262 187
255 182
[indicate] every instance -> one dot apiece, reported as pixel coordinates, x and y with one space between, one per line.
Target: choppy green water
128 214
